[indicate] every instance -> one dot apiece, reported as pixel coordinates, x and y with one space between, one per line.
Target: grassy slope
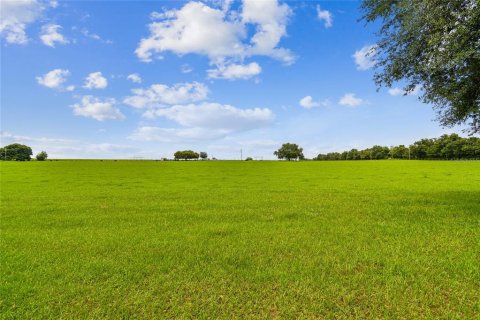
396 239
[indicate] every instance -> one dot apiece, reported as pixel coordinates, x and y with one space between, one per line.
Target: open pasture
231 239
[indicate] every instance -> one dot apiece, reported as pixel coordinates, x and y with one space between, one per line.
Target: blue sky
142 79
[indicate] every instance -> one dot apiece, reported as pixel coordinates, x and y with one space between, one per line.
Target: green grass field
231 239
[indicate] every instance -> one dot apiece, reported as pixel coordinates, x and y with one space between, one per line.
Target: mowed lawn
231 239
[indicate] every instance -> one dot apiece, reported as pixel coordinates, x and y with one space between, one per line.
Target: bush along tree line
190 155
446 147
20 152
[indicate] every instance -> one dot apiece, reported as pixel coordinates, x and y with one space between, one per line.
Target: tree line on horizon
446 147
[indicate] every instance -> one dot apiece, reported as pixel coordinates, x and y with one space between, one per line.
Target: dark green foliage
289 151
203 155
249 159
16 152
42 156
186 155
435 45
399 152
447 147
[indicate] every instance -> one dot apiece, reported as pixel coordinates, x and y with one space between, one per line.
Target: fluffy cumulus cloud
219 33
270 19
350 100
55 79
15 16
325 16
95 80
158 95
195 28
365 57
135 78
97 109
203 122
50 35
402 92
235 71
308 103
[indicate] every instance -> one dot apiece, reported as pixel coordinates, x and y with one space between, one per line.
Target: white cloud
365 57
396 91
195 28
50 35
350 100
94 36
215 115
325 16
95 80
135 78
15 16
97 109
271 20
218 34
186 68
55 79
235 71
205 121
158 95
148 133
308 103
399 91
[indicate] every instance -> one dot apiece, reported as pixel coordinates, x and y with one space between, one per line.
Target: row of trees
446 147
190 155
20 152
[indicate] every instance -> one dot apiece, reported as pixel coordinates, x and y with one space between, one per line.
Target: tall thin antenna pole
241 154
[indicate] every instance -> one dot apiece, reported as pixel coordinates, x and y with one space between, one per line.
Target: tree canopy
16 152
289 151
42 156
435 45
186 155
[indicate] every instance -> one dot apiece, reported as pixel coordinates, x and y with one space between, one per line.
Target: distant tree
16 152
365 154
432 44
186 155
289 151
353 155
379 152
178 155
41 156
249 159
203 155
399 152
419 149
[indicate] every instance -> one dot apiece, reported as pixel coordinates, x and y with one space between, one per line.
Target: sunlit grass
146 239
